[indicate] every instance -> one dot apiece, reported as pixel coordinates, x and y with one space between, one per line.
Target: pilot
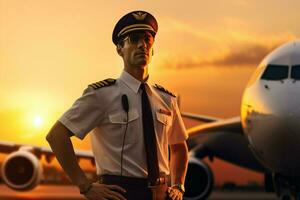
137 133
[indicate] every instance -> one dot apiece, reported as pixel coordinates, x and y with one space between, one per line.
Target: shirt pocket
163 118
163 123
117 126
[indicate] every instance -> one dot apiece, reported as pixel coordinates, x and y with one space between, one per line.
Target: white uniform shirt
100 111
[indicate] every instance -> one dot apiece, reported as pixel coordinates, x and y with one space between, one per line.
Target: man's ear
119 49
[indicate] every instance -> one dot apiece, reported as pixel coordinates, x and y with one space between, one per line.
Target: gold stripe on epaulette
98 84
104 83
111 80
93 86
161 88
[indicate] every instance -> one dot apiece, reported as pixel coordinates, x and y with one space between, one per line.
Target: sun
37 121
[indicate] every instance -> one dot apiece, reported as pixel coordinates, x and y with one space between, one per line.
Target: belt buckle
162 180
158 181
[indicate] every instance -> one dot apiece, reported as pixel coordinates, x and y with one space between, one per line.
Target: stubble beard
141 63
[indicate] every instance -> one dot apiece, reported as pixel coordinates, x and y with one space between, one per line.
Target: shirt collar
134 85
130 81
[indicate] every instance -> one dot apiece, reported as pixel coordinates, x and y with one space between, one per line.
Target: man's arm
61 145
179 162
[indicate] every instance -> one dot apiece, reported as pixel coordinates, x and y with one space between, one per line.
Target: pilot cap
134 21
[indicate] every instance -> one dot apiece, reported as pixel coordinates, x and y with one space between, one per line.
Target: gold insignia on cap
139 15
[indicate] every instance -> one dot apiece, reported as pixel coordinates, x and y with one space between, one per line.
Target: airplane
263 138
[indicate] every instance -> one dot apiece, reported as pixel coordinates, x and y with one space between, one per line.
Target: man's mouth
142 53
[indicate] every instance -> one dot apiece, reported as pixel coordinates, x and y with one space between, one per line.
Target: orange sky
50 50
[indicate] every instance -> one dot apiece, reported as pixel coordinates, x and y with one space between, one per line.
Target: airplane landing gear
286 188
286 197
298 196
289 197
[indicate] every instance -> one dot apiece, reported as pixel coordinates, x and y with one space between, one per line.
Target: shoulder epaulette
104 83
161 88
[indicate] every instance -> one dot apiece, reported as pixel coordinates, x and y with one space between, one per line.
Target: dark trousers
136 188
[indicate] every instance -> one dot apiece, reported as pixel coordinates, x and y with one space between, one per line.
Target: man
132 124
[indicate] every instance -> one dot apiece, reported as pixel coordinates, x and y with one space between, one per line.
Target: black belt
143 182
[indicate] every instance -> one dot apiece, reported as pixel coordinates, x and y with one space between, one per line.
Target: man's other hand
175 194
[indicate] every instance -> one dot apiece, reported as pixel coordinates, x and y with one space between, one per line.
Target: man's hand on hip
175 194
105 192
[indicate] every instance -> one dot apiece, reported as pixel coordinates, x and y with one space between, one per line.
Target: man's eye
134 38
148 39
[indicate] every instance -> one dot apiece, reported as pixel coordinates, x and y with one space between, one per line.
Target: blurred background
205 51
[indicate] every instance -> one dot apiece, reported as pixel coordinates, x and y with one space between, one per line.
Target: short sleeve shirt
100 112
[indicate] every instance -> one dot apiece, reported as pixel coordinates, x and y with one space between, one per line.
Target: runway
46 192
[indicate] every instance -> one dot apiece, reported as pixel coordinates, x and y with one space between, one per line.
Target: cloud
247 54
244 55
229 42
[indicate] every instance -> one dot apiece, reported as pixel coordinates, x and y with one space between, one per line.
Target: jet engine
21 170
199 180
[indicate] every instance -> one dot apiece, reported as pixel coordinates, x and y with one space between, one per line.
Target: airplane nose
276 139
275 132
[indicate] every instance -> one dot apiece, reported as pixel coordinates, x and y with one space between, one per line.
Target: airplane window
275 72
295 74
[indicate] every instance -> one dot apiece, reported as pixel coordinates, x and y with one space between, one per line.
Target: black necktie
149 137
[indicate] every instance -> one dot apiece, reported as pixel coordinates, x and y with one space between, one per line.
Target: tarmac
50 192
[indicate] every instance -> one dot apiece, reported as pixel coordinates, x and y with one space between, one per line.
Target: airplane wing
223 139
9 147
201 118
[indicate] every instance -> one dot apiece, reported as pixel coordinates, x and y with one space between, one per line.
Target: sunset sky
50 50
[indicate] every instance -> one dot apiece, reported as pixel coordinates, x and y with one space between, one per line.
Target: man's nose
142 43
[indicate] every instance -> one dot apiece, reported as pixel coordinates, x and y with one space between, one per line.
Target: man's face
137 49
